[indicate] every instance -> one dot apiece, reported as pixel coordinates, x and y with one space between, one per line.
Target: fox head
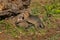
19 18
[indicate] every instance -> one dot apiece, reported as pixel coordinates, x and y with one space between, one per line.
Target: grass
54 37
9 29
37 9
52 9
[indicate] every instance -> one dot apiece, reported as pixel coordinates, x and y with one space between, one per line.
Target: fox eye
22 17
40 26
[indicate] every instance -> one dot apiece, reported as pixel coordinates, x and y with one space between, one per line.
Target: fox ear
26 14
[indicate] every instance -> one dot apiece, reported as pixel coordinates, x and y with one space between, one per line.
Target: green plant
52 9
35 10
54 37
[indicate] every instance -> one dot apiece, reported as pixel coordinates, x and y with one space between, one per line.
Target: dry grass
43 9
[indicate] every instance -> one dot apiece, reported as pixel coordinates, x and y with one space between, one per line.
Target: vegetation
50 14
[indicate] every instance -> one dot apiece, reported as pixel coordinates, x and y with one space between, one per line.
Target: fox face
19 19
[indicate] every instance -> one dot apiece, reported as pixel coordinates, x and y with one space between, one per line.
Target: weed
54 37
35 10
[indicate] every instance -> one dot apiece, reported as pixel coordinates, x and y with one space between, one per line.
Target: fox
30 19
20 22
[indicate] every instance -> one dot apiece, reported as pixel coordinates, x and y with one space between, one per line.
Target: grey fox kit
30 19
21 22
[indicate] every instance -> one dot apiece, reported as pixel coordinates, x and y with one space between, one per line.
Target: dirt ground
50 32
